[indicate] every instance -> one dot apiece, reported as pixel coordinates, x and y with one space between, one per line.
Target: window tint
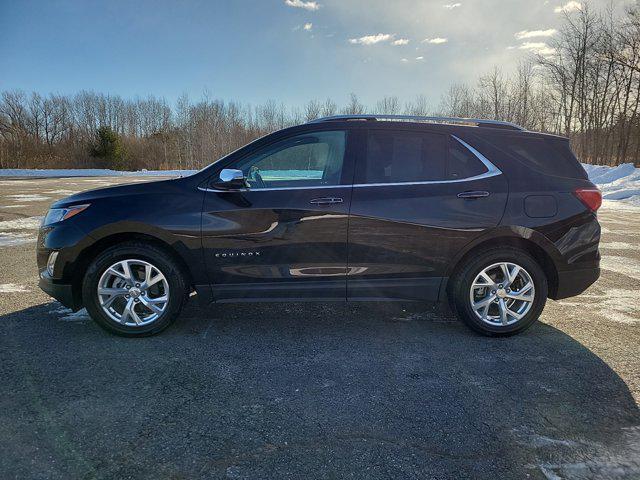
310 160
462 163
542 155
401 156
571 165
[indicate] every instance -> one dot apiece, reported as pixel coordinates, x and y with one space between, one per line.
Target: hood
146 188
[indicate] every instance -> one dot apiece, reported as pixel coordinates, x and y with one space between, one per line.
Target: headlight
59 214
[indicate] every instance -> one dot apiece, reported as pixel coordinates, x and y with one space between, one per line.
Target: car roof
477 125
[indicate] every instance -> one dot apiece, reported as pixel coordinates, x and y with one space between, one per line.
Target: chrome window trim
491 168
492 171
271 189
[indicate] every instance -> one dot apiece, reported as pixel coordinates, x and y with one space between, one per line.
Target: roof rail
477 122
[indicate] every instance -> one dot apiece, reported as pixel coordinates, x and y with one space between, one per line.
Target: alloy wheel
133 292
502 294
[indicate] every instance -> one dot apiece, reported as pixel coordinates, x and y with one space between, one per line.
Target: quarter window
403 156
308 160
462 163
547 156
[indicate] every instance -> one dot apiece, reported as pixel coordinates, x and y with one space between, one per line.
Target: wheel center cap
134 292
501 293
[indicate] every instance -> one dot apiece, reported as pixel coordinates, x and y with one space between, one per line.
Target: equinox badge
236 254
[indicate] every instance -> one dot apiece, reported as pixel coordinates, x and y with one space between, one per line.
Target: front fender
186 245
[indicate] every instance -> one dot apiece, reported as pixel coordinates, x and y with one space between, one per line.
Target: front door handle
325 200
473 194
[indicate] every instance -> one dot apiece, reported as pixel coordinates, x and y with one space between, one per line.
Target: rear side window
462 163
403 156
547 156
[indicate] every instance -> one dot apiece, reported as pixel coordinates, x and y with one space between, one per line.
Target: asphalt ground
309 390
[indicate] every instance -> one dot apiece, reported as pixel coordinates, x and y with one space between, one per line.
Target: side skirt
403 290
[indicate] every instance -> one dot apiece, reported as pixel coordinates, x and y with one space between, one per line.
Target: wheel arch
90 252
530 241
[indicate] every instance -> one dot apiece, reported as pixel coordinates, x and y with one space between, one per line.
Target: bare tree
587 87
388 106
354 107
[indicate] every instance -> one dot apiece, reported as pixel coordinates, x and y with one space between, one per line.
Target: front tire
134 289
499 292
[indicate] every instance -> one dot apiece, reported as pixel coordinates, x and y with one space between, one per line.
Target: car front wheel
133 289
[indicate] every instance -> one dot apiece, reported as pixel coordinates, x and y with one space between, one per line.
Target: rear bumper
61 292
574 282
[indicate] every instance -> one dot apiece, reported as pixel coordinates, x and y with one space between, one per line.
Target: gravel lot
312 390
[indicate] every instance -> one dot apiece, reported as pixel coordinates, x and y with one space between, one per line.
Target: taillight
591 197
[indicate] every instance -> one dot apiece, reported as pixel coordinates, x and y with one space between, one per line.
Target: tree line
587 88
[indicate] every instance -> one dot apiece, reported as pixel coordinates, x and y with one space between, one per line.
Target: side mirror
231 179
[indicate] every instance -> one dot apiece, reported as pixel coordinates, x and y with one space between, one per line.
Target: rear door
285 235
419 196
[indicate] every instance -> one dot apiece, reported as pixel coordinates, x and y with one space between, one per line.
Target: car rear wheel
499 292
133 289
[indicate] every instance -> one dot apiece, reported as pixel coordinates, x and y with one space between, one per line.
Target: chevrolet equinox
484 214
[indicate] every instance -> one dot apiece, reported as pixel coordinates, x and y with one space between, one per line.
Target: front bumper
68 240
60 291
574 282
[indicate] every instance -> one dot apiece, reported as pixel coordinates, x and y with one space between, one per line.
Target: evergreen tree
108 147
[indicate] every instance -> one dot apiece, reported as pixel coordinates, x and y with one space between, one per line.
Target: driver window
308 160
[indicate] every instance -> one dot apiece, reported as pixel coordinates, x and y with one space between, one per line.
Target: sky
289 51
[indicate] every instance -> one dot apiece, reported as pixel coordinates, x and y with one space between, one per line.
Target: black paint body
389 242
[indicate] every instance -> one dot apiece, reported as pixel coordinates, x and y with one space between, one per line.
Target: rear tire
499 292
140 306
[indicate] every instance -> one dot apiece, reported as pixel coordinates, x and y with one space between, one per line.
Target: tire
151 308
491 262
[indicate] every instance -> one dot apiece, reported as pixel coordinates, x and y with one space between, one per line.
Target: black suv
482 213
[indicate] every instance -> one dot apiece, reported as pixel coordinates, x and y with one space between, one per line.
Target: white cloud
535 33
308 26
400 41
419 58
537 47
302 4
451 6
435 41
372 39
568 7
404 60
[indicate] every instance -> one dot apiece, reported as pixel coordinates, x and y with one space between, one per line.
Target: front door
285 235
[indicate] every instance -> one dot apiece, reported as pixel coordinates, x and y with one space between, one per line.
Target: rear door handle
473 194
325 200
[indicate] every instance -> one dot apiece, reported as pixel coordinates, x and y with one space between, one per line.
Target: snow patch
88 172
618 305
29 223
542 441
29 197
623 265
8 239
12 288
595 460
67 315
60 192
617 246
616 183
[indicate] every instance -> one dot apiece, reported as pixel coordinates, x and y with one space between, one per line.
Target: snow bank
617 183
88 172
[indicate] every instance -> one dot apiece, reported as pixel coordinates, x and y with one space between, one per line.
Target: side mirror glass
231 179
